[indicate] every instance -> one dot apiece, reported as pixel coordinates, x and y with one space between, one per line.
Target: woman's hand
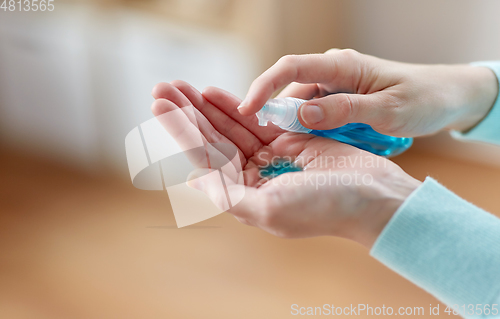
342 191
395 98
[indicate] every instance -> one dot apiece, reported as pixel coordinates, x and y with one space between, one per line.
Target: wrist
392 191
481 91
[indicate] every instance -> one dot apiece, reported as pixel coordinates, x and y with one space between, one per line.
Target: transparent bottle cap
283 113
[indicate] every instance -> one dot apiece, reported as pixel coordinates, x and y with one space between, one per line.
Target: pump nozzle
262 118
282 112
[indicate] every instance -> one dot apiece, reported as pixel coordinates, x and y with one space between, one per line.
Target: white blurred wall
428 31
425 31
75 81
45 95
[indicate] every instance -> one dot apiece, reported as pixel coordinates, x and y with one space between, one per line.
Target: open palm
219 122
310 207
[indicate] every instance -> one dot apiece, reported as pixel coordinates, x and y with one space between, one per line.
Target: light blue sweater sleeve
446 245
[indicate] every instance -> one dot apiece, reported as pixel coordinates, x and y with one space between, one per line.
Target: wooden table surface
79 246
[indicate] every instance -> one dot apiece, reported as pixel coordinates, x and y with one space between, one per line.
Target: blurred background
78 241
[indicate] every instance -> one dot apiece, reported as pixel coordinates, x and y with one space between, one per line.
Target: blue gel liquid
283 112
277 168
364 137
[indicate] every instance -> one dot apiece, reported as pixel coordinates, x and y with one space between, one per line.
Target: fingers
184 119
303 91
288 69
339 68
177 123
339 109
228 103
165 92
246 141
216 125
300 91
180 124
171 93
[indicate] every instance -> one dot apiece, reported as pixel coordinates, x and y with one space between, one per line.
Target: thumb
339 109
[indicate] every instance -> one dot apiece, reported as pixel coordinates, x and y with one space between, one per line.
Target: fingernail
311 114
242 105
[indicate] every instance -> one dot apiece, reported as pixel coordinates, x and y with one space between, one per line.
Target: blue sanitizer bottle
283 113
